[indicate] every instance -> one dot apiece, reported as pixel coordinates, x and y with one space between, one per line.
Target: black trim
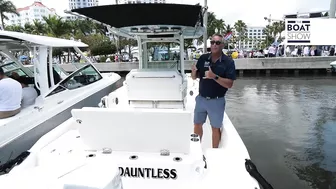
126 15
161 36
7 37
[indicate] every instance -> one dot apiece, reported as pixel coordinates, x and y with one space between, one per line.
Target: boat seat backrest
155 85
135 130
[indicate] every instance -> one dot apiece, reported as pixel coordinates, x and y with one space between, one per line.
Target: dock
248 66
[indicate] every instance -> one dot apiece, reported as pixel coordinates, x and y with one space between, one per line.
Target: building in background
255 36
139 1
316 14
28 14
76 4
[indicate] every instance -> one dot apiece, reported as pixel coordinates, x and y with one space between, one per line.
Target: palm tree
6 7
16 28
241 29
278 28
28 28
38 27
56 27
228 29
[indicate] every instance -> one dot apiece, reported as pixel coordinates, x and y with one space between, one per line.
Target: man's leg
7 114
199 116
216 109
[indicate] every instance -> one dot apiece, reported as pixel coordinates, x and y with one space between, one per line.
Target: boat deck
74 141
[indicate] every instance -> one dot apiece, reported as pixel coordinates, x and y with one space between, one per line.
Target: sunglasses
215 42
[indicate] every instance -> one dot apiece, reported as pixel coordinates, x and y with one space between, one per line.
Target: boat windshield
12 67
61 72
163 56
82 77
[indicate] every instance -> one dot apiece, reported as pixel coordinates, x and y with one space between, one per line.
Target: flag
228 36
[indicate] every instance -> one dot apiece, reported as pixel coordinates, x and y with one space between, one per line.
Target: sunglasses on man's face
215 42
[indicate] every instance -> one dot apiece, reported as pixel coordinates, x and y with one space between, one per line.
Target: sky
252 12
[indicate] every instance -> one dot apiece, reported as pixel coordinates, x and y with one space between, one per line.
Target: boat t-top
141 135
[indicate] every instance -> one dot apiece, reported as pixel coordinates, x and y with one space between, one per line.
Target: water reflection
289 127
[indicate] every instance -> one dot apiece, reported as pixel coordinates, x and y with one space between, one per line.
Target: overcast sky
251 12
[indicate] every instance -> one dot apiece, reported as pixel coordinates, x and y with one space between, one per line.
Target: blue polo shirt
224 67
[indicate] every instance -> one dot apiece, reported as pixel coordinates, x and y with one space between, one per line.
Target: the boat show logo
298 31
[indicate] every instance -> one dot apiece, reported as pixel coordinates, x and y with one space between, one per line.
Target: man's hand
193 67
193 71
209 74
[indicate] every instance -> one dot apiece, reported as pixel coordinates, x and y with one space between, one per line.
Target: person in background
29 94
271 51
306 51
332 51
10 96
216 72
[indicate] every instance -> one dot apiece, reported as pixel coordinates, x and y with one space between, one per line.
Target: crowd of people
281 51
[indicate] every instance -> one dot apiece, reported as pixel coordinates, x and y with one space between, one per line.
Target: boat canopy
149 23
126 15
11 39
130 20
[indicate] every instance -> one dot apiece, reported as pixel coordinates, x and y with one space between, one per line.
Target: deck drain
77 136
177 159
91 155
194 139
194 135
191 93
133 157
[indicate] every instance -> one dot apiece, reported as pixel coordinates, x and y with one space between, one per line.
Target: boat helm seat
155 85
135 130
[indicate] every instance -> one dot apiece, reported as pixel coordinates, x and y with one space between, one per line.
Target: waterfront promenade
246 65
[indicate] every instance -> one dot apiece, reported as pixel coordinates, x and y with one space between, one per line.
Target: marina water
289 128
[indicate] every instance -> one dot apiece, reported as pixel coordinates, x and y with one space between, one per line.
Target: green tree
16 28
38 28
241 29
103 48
56 26
6 7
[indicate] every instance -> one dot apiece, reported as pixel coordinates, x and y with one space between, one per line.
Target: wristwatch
216 77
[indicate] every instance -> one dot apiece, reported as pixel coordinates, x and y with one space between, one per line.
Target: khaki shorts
6 114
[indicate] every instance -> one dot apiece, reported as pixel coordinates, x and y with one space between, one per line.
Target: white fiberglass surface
30 117
225 165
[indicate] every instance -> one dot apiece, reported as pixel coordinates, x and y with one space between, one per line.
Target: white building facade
28 14
255 36
76 4
140 1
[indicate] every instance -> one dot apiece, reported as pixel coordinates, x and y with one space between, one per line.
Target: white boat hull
143 170
21 133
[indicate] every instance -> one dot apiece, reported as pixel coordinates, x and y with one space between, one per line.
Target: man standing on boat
216 72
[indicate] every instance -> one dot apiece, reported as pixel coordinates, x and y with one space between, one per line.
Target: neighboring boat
333 66
143 129
58 91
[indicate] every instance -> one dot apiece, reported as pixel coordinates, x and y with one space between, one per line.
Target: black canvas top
126 15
